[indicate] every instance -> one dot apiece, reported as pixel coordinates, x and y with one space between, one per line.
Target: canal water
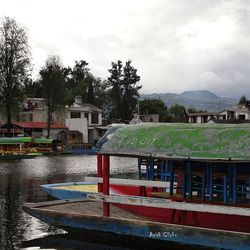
19 183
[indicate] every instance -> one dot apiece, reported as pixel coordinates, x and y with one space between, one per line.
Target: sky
175 45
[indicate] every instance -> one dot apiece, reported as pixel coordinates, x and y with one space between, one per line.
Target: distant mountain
201 99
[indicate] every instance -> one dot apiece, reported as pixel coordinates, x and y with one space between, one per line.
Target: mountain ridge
198 99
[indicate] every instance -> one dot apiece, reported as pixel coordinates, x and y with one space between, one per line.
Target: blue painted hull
144 229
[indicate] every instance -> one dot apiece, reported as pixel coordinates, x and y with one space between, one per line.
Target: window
86 115
94 118
75 114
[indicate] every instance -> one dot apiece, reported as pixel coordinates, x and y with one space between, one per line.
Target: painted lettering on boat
164 234
147 141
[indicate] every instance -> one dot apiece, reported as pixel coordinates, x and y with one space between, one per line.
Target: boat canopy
15 140
180 141
43 140
19 140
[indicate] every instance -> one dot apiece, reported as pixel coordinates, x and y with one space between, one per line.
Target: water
19 183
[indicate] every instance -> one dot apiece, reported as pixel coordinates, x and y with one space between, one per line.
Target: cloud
175 45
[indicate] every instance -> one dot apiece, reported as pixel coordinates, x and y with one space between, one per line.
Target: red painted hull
183 217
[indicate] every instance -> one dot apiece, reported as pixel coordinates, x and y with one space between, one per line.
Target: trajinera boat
15 148
193 180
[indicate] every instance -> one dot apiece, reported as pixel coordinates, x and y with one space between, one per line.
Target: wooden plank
129 182
165 203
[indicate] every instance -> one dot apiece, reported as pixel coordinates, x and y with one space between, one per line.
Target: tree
178 113
194 110
243 100
124 90
154 106
53 86
79 81
14 64
115 81
130 88
32 88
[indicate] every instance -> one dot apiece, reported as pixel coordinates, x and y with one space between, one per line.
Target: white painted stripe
166 203
129 182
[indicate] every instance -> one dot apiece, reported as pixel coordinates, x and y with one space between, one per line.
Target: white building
85 118
200 117
242 111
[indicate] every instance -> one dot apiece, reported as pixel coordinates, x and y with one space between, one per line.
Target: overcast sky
176 45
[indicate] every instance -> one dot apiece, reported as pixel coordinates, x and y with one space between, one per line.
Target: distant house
200 117
243 111
150 118
34 129
35 110
85 118
225 115
145 118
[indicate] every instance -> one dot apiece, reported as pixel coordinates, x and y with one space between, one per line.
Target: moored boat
199 174
16 148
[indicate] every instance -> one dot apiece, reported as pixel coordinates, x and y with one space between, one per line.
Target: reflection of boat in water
193 187
82 148
18 156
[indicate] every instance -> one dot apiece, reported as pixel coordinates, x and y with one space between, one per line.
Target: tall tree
14 64
155 106
90 91
53 85
178 113
115 80
78 81
130 88
32 88
243 100
124 90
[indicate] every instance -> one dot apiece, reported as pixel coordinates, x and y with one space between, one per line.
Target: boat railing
129 182
166 203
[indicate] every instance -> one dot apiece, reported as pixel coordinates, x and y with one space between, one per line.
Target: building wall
53 133
40 115
79 124
151 118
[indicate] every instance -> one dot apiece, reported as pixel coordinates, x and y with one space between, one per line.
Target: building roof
39 125
84 107
226 110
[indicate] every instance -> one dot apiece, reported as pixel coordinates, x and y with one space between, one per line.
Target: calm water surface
19 183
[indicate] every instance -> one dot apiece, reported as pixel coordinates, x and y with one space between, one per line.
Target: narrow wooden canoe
87 215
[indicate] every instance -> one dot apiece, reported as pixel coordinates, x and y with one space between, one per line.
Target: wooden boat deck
81 207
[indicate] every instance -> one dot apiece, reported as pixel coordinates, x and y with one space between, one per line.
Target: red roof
39 125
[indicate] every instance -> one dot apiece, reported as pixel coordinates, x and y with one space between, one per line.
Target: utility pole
138 111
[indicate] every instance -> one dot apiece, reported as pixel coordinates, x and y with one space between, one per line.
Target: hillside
202 99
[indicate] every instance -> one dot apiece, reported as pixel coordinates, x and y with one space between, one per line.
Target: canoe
81 215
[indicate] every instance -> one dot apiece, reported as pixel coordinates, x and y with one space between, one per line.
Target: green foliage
124 90
14 64
53 86
194 110
32 88
243 100
154 106
178 113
